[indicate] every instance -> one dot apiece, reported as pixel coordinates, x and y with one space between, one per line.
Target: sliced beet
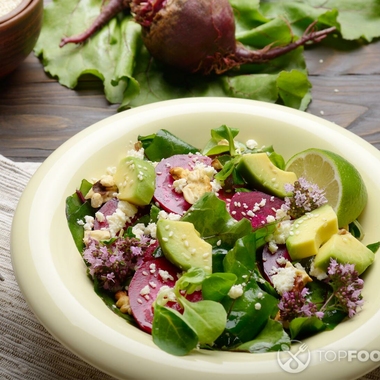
272 261
255 206
107 209
146 284
165 195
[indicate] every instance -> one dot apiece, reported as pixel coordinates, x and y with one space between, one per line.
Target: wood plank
37 114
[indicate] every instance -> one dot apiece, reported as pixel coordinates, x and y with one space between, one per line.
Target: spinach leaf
218 135
248 314
77 210
164 144
271 338
207 318
217 286
201 322
303 327
220 226
171 332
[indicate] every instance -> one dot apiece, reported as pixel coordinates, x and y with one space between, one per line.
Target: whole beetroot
193 35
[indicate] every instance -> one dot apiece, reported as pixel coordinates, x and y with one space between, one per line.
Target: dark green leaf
164 144
220 225
271 338
374 247
171 333
76 210
217 286
207 318
304 327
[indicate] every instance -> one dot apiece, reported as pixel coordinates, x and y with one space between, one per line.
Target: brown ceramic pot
19 31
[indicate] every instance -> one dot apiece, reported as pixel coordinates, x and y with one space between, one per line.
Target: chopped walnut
216 164
102 191
197 183
96 235
122 302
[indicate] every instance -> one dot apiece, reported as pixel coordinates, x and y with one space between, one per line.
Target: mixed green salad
220 248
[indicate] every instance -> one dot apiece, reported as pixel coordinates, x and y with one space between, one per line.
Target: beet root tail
268 53
243 55
108 12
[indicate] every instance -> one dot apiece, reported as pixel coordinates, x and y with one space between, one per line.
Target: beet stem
260 56
108 12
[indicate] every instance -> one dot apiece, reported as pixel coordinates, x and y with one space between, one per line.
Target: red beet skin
148 278
247 205
190 34
193 35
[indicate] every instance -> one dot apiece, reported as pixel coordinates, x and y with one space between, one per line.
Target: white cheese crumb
145 290
89 223
165 275
317 272
236 291
251 144
169 216
136 153
258 306
283 280
100 216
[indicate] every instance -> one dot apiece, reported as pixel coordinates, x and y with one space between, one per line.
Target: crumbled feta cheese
100 216
236 291
139 229
165 275
145 290
179 184
317 272
169 216
257 305
89 223
136 153
283 280
123 214
251 144
281 260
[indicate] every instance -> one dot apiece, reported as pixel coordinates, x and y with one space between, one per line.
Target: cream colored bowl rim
103 347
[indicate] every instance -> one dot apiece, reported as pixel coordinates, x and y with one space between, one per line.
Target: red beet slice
271 261
256 206
107 209
145 285
165 194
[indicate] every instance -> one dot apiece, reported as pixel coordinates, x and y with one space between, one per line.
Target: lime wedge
344 187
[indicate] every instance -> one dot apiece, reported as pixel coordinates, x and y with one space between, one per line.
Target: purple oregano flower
110 263
346 295
347 287
306 197
294 304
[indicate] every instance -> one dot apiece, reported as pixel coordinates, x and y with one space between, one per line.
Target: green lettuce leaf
130 76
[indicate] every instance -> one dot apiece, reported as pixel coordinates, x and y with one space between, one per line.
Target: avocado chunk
135 180
344 248
259 172
182 245
310 231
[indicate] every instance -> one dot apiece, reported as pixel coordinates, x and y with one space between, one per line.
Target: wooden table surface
37 114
